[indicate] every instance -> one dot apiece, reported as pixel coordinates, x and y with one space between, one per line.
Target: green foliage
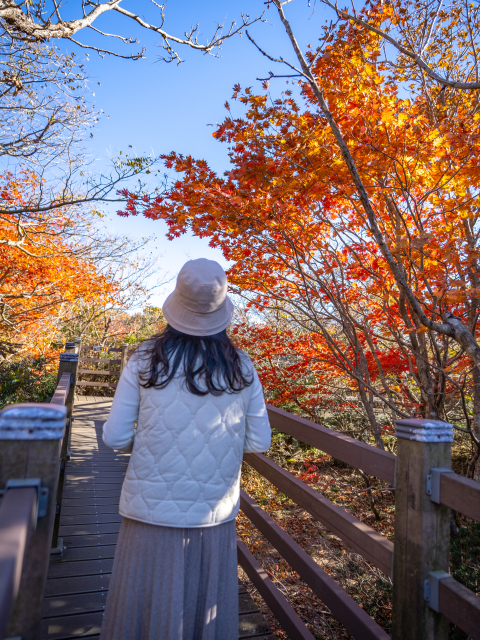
26 380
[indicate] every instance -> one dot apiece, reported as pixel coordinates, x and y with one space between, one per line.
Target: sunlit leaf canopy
288 217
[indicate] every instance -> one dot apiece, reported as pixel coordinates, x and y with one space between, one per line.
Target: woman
199 405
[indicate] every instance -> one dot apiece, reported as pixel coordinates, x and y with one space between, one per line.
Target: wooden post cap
68 357
78 339
33 421
424 430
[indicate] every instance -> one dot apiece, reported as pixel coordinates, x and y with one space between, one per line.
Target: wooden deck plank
86 624
77 584
252 625
92 474
75 466
92 518
116 470
79 568
88 553
90 540
86 529
99 485
78 603
96 483
101 458
95 478
79 493
246 604
107 509
90 501
83 625
116 467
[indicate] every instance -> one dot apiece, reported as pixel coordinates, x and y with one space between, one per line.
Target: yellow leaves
455 296
387 115
458 367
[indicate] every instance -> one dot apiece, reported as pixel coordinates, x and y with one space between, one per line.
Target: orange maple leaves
42 268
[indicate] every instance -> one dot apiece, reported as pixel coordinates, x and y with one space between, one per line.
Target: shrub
26 380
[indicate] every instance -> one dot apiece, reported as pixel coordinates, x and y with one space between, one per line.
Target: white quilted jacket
184 470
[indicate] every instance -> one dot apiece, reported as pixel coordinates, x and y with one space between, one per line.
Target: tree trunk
368 404
476 420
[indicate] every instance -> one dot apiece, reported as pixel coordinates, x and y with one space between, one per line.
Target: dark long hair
213 361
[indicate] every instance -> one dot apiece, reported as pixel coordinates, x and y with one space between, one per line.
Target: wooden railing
33 439
425 596
95 358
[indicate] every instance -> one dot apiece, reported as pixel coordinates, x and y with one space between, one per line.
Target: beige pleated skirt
173 584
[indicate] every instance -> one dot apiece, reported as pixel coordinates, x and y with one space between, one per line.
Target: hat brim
194 323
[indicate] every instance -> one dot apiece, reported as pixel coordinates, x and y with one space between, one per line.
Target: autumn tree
118 319
290 217
299 373
132 327
457 30
58 265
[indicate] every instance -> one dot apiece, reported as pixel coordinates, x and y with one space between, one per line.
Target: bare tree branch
28 20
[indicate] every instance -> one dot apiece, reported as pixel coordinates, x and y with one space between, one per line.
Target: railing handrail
30 435
461 494
99 360
61 392
274 598
67 375
460 605
374 547
17 523
456 491
343 607
373 461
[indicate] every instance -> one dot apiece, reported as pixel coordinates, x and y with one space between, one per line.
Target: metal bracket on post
42 493
433 483
431 588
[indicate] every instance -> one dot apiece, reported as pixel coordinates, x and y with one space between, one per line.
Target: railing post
68 364
30 439
78 342
422 528
124 355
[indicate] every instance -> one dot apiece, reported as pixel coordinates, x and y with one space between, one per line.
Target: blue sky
158 107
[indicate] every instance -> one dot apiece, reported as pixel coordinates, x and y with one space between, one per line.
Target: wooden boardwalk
77 586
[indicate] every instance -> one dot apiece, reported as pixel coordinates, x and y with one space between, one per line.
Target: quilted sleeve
258 434
119 429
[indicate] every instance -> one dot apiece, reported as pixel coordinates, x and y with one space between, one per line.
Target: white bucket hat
199 306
